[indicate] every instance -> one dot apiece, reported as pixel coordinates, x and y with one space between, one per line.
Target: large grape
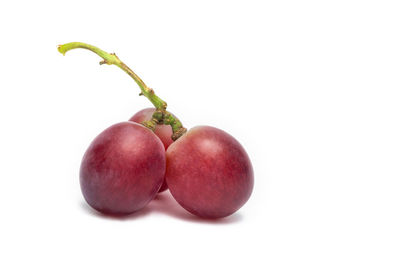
209 173
123 169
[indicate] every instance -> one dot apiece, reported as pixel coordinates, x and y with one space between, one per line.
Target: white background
310 89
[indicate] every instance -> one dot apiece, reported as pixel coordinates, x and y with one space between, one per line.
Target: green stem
161 116
177 128
112 59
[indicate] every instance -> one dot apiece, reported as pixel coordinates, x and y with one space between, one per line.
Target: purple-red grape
164 132
123 169
209 173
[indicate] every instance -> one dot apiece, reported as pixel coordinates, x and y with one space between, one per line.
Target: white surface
310 88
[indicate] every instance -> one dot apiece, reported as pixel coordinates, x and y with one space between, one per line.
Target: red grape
123 169
209 173
164 132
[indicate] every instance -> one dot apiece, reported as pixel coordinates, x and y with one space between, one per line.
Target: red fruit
164 132
209 173
123 169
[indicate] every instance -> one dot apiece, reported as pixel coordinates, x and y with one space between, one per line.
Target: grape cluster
206 170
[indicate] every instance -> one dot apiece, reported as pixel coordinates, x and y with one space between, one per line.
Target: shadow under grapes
164 203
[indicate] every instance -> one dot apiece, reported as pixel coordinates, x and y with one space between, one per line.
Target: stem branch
160 105
112 59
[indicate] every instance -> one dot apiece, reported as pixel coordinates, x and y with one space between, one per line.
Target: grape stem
161 115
